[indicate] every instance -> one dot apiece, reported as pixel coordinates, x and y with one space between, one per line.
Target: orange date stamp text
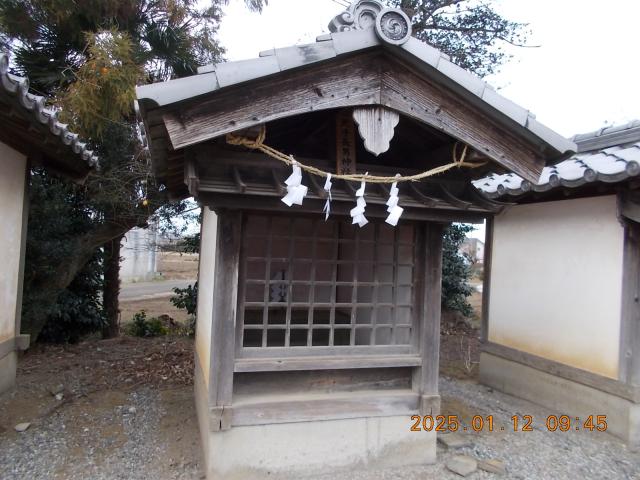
519 423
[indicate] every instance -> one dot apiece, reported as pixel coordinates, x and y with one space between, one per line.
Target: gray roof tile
424 57
298 56
346 42
232 73
18 89
510 109
426 53
615 163
462 77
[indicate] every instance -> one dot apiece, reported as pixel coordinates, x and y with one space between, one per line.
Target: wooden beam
453 200
629 202
630 320
311 205
366 79
481 199
425 377
325 363
421 197
428 102
224 312
486 283
349 82
605 384
323 407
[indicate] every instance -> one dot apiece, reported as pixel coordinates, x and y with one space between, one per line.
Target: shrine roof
608 155
429 60
28 123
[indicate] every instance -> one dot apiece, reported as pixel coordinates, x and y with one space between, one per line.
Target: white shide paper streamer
295 190
358 213
327 206
395 211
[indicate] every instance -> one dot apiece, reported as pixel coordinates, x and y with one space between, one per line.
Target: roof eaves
462 79
612 164
423 56
35 105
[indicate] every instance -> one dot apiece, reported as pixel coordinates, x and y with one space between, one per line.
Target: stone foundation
562 396
292 450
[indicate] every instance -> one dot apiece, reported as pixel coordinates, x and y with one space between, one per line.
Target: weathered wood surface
340 360
345 143
313 407
376 126
486 284
224 308
367 79
315 206
630 205
425 377
630 319
321 381
615 387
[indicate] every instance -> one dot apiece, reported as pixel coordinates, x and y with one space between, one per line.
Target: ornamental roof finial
392 25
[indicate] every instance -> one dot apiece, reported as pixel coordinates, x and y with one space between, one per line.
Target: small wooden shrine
319 295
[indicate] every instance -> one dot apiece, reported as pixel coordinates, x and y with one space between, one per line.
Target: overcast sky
583 74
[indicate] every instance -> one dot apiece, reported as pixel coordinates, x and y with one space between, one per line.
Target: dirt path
124 411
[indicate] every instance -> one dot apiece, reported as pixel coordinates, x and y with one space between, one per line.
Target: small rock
462 465
454 440
21 427
59 396
132 410
57 389
493 466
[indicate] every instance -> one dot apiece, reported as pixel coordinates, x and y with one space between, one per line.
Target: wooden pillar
225 300
630 321
425 377
486 284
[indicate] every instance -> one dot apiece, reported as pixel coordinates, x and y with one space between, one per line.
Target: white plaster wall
556 277
12 190
206 280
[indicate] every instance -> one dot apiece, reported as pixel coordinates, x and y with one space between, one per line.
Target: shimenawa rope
258 144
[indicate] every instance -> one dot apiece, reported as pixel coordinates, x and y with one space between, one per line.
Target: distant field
176 266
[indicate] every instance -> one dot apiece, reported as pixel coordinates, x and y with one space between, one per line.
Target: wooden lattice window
309 283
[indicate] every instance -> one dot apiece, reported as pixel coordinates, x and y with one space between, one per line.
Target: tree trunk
52 282
112 287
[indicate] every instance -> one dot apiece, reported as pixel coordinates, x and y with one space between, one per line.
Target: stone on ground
21 427
462 465
454 440
492 466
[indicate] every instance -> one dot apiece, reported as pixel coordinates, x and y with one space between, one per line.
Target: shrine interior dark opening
305 282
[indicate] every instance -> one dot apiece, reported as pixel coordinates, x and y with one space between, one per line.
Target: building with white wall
139 255
30 135
561 315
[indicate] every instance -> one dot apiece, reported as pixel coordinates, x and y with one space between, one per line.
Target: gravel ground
536 455
119 436
127 413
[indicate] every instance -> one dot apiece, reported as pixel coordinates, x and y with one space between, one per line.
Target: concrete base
292 450
8 366
562 396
